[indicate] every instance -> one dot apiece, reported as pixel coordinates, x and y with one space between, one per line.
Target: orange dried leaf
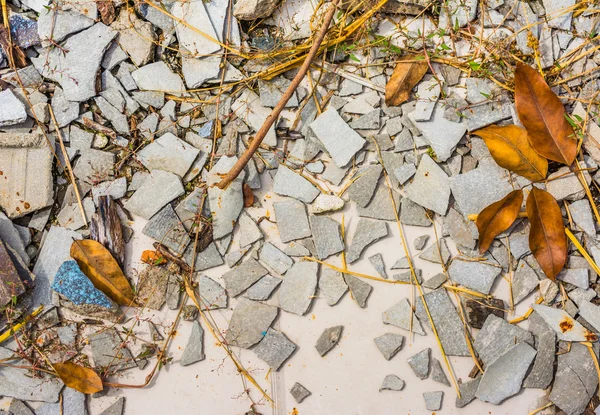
248 195
547 239
407 73
152 257
544 117
497 217
102 269
80 378
510 147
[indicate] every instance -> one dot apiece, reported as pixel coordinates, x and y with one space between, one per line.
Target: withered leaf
102 269
547 239
80 378
107 11
152 257
510 147
544 117
497 217
407 73
248 195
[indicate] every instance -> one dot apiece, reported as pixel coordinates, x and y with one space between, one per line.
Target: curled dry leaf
547 239
544 117
103 270
248 195
407 73
510 147
80 378
497 217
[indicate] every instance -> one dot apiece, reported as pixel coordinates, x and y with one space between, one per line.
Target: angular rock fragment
443 135
274 349
542 371
115 408
11 285
332 285
496 337
225 204
158 189
298 287
274 258
263 289
289 183
437 373
478 311
213 295
327 236
326 203
249 230
362 189
328 339
359 289
389 344
430 187
467 392
136 37
433 400
341 142
152 286
168 153
109 351
565 327
377 262
194 350
166 228
401 315
432 254
392 383
249 323
12 110
380 207
419 363
367 232
247 107
243 276
478 276
55 26
292 220
157 77
524 282
299 392
436 281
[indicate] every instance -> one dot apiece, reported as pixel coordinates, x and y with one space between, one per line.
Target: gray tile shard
327 236
433 400
389 344
108 351
328 339
413 214
432 254
504 376
447 322
381 206
249 323
298 287
292 220
430 187
247 107
400 315
359 289
263 289
437 373
565 327
420 242
158 76
168 153
478 276
274 258
212 293
340 141
496 337
249 230
243 276
332 285
367 232
591 313
158 189
524 282
392 383
115 408
419 363
152 286
12 110
289 183
326 204
225 204
56 25
377 262
362 189
194 350
18 407
299 392
436 281
166 228
578 277
274 349
467 392
542 371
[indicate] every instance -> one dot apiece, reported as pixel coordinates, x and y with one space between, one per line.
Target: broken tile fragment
274 258
389 344
292 220
496 337
109 351
158 189
249 323
478 276
326 204
366 233
437 373
565 327
263 289
332 285
401 315
249 230
328 339
299 392
467 392
433 400
298 287
430 187
359 289
194 350
243 276
289 183
392 383
166 228
542 371
274 349
419 363
377 262
340 141
152 286
327 236
168 153
363 187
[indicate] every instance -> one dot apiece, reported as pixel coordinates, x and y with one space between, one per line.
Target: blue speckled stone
75 286
24 31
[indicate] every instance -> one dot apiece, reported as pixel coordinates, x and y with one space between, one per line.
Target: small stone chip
292 220
332 285
275 258
436 281
400 315
478 276
298 287
263 289
360 290
467 392
274 349
299 392
419 363
367 232
377 262
389 344
328 339
243 276
479 310
437 373
565 327
433 400
194 351
249 323
420 242
392 383
432 254
289 183
327 236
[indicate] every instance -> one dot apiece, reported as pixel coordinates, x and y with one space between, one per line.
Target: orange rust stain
591 337
566 324
27 205
1 172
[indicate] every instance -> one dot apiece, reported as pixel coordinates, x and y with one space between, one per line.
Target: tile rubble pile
141 143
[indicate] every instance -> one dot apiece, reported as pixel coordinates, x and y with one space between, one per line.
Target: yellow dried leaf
407 73
497 217
80 378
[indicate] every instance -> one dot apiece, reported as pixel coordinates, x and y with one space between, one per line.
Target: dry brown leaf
103 270
547 239
248 195
107 11
497 217
544 117
407 73
80 378
510 147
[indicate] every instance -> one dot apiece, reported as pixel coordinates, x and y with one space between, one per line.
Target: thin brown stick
262 132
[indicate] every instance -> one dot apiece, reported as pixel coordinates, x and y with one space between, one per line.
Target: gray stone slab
327 236
289 183
55 26
392 383
116 408
524 282
478 276
194 350
400 315
419 363
436 281
274 349
340 141
359 289
157 77
542 371
225 204
413 214
249 230
504 376
447 322
461 230
249 323
116 189
496 337
437 373
292 220
158 189
389 344
272 91
377 262
299 392
108 351
298 287
432 254
564 326
247 107
18 407
328 339
332 285
362 189
274 258
243 276
430 187
75 64
581 213
326 203
367 232
591 313
166 228
433 400
208 258
381 206
12 110
263 289
213 295
168 153
578 277
467 392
